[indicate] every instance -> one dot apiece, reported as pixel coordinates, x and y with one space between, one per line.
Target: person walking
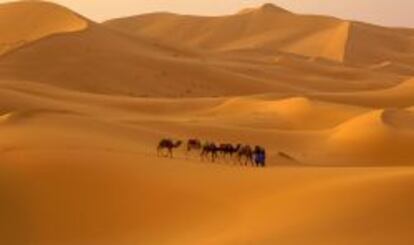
259 156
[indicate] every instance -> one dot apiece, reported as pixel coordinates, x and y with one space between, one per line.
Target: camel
223 148
193 145
169 145
247 153
229 150
209 149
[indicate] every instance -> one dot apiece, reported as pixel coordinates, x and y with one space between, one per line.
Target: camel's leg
205 156
189 149
232 158
160 152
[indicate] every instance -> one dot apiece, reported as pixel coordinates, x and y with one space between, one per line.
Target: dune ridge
103 59
41 19
384 136
400 95
297 113
257 30
270 28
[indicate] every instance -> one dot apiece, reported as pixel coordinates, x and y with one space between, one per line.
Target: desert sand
83 106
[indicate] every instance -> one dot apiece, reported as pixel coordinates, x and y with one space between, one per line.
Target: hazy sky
386 12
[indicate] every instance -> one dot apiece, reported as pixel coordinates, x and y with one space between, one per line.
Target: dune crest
205 57
271 29
400 119
369 44
297 113
267 7
34 20
266 28
375 138
400 95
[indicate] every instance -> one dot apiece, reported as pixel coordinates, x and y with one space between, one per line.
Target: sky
383 12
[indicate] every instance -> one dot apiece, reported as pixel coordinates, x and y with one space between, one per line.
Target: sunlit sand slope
98 59
82 168
272 29
266 28
25 22
310 131
380 136
90 195
401 95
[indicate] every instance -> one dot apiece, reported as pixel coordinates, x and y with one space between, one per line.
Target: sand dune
122 200
102 60
273 29
290 114
398 96
370 44
84 166
305 129
393 68
94 59
384 136
40 20
256 29
83 106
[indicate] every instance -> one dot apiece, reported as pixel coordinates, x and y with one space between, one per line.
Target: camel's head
179 142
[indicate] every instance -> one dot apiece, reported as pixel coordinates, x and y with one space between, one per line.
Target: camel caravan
209 151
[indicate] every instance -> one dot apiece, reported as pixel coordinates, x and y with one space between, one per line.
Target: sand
32 22
83 106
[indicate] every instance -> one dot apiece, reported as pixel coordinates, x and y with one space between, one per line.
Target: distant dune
266 28
288 114
397 96
83 106
273 29
144 60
